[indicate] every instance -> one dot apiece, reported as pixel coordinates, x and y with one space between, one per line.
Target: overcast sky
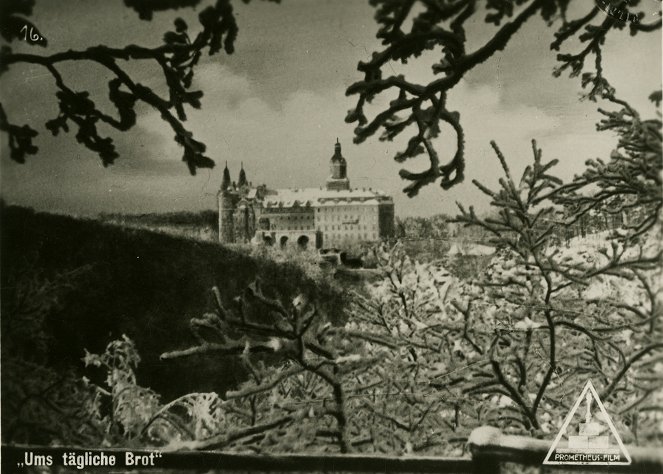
278 104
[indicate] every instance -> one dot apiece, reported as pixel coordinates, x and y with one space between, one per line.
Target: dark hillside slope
139 283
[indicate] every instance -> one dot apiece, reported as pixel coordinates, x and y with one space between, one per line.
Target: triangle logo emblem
588 436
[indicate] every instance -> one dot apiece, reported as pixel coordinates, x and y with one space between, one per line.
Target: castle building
334 215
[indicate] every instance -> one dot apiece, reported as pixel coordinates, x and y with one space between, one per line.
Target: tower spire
242 177
225 182
339 177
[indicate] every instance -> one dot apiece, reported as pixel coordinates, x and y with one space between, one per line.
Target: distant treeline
430 238
437 227
206 218
433 227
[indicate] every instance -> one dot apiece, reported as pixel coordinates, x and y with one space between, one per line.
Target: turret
338 163
242 178
226 217
225 182
227 200
242 222
339 177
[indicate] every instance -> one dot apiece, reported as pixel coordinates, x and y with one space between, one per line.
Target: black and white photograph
331 236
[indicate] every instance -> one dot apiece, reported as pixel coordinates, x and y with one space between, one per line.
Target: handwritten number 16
32 35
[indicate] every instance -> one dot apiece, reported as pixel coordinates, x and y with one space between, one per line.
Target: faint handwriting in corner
621 12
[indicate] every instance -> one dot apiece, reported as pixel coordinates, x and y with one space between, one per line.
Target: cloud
279 105
289 143
485 117
285 144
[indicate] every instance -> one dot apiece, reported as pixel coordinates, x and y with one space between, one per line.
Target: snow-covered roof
317 197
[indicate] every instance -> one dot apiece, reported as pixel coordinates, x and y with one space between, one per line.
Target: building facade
334 215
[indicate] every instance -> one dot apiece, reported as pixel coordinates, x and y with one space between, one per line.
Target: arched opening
283 241
267 240
302 242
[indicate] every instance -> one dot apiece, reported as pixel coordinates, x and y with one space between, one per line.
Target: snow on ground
587 250
461 248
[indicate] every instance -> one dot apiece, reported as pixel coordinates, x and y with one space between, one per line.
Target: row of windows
270 213
348 230
290 224
331 238
346 217
292 218
336 210
288 227
338 227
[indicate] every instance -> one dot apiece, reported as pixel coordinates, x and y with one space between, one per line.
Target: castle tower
242 178
242 222
226 217
251 227
225 182
226 209
338 181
